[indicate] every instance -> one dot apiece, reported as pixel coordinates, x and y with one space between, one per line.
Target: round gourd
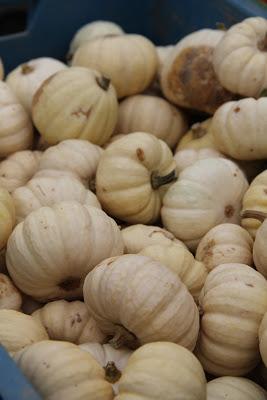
130 61
18 330
10 297
137 237
263 339
25 79
132 176
223 244
177 258
91 114
52 250
198 137
187 157
259 249
68 321
60 370
7 216
239 129
233 388
198 201
233 302
240 58
152 114
18 169
46 191
187 76
16 131
156 305
162 371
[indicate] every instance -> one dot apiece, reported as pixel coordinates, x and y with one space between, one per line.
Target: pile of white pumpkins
133 246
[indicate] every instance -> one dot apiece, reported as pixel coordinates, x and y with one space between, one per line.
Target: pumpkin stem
198 131
260 215
262 44
221 26
112 373
26 69
123 337
157 180
103 82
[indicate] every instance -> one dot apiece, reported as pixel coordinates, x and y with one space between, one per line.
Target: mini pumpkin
224 244
185 158
51 251
68 321
259 249
132 176
233 302
130 61
198 137
91 114
7 216
10 297
234 388
167 313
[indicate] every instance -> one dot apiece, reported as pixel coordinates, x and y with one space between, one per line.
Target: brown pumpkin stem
157 180
198 131
221 26
123 337
260 215
112 373
26 69
262 44
103 82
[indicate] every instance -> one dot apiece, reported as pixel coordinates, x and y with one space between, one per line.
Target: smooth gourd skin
234 388
62 371
162 370
7 216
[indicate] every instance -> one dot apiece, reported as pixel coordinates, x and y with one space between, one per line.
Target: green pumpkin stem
157 180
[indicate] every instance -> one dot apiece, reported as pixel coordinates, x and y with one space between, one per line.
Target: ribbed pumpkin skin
233 302
145 287
233 388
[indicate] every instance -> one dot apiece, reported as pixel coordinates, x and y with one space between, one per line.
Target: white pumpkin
90 115
68 321
167 313
198 137
10 297
206 194
132 176
259 249
233 388
152 114
25 79
16 131
240 58
187 157
51 251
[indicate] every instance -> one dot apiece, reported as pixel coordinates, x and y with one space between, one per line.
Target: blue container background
50 26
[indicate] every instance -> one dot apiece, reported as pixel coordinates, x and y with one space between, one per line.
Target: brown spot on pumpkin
140 154
229 211
251 150
26 69
237 109
265 191
80 112
39 92
207 249
235 174
249 284
70 283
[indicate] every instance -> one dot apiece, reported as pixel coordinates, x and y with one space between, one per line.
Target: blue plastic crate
50 27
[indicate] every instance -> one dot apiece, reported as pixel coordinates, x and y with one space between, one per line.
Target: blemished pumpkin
152 114
259 249
51 251
176 257
234 388
46 191
160 371
185 158
17 169
233 302
25 79
16 131
263 339
137 237
10 297
198 137
224 244
60 370
240 58
130 61
132 176
162 309
7 216
18 330
91 114
187 76
68 321
198 201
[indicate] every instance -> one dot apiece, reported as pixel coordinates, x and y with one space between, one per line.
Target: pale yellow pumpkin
10 297
52 250
162 309
233 302
16 131
234 388
18 330
263 339
260 250
91 114
18 169
132 176
68 321
130 61
185 158
176 257
60 370
198 201
152 114
187 76
160 371
7 216
198 137
25 79
223 244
